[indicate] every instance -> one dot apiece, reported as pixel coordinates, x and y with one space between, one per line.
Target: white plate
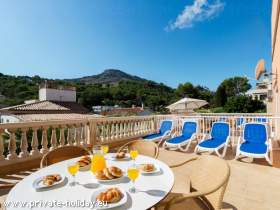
113 157
157 169
109 180
38 183
109 205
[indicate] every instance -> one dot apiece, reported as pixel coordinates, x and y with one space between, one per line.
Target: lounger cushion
189 129
165 126
254 148
153 136
220 131
211 143
177 140
255 133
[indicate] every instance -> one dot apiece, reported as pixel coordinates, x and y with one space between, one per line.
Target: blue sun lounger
254 142
188 134
219 138
166 127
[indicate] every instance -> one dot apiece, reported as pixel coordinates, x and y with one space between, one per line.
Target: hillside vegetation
114 87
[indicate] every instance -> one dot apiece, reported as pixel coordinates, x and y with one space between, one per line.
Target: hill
109 76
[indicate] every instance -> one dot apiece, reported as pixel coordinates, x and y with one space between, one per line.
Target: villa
228 161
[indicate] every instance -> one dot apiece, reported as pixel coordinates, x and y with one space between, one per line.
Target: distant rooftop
45 107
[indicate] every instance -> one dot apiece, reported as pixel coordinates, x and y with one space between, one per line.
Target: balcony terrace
253 184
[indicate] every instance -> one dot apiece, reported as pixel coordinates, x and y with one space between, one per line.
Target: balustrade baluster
23 144
117 130
129 133
12 146
83 134
77 135
112 131
44 143
61 136
121 129
53 139
69 135
34 143
2 157
107 131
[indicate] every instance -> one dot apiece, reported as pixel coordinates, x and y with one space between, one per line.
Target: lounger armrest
269 143
228 139
193 136
166 133
240 141
174 135
205 136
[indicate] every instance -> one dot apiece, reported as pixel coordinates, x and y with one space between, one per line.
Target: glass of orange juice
133 154
104 149
73 168
133 173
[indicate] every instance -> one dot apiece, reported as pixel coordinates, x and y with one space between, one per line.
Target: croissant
84 161
148 167
112 195
120 155
51 179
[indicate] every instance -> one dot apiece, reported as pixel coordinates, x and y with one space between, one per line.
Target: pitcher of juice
98 162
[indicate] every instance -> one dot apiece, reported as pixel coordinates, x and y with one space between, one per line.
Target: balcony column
23 144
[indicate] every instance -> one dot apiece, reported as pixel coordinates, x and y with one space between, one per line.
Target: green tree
229 88
220 96
243 104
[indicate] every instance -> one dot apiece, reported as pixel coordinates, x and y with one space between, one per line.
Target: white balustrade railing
25 141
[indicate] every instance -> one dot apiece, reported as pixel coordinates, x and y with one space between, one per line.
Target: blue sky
169 41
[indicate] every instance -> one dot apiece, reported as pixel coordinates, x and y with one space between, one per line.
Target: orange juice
133 173
73 169
133 154
98 163
105 149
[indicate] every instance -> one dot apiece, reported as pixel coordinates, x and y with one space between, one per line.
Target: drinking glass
133 173
96 149
133 154
105 149
73 168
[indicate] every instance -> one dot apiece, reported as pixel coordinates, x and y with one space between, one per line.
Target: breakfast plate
104 205
38 183
114 158
156 169
109 180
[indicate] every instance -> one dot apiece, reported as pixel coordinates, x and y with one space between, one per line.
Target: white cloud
200 10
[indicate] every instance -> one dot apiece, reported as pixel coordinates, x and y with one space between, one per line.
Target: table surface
151 188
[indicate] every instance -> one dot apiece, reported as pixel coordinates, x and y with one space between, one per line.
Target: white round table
151 188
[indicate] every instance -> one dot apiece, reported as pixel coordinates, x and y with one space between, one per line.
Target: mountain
109 76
